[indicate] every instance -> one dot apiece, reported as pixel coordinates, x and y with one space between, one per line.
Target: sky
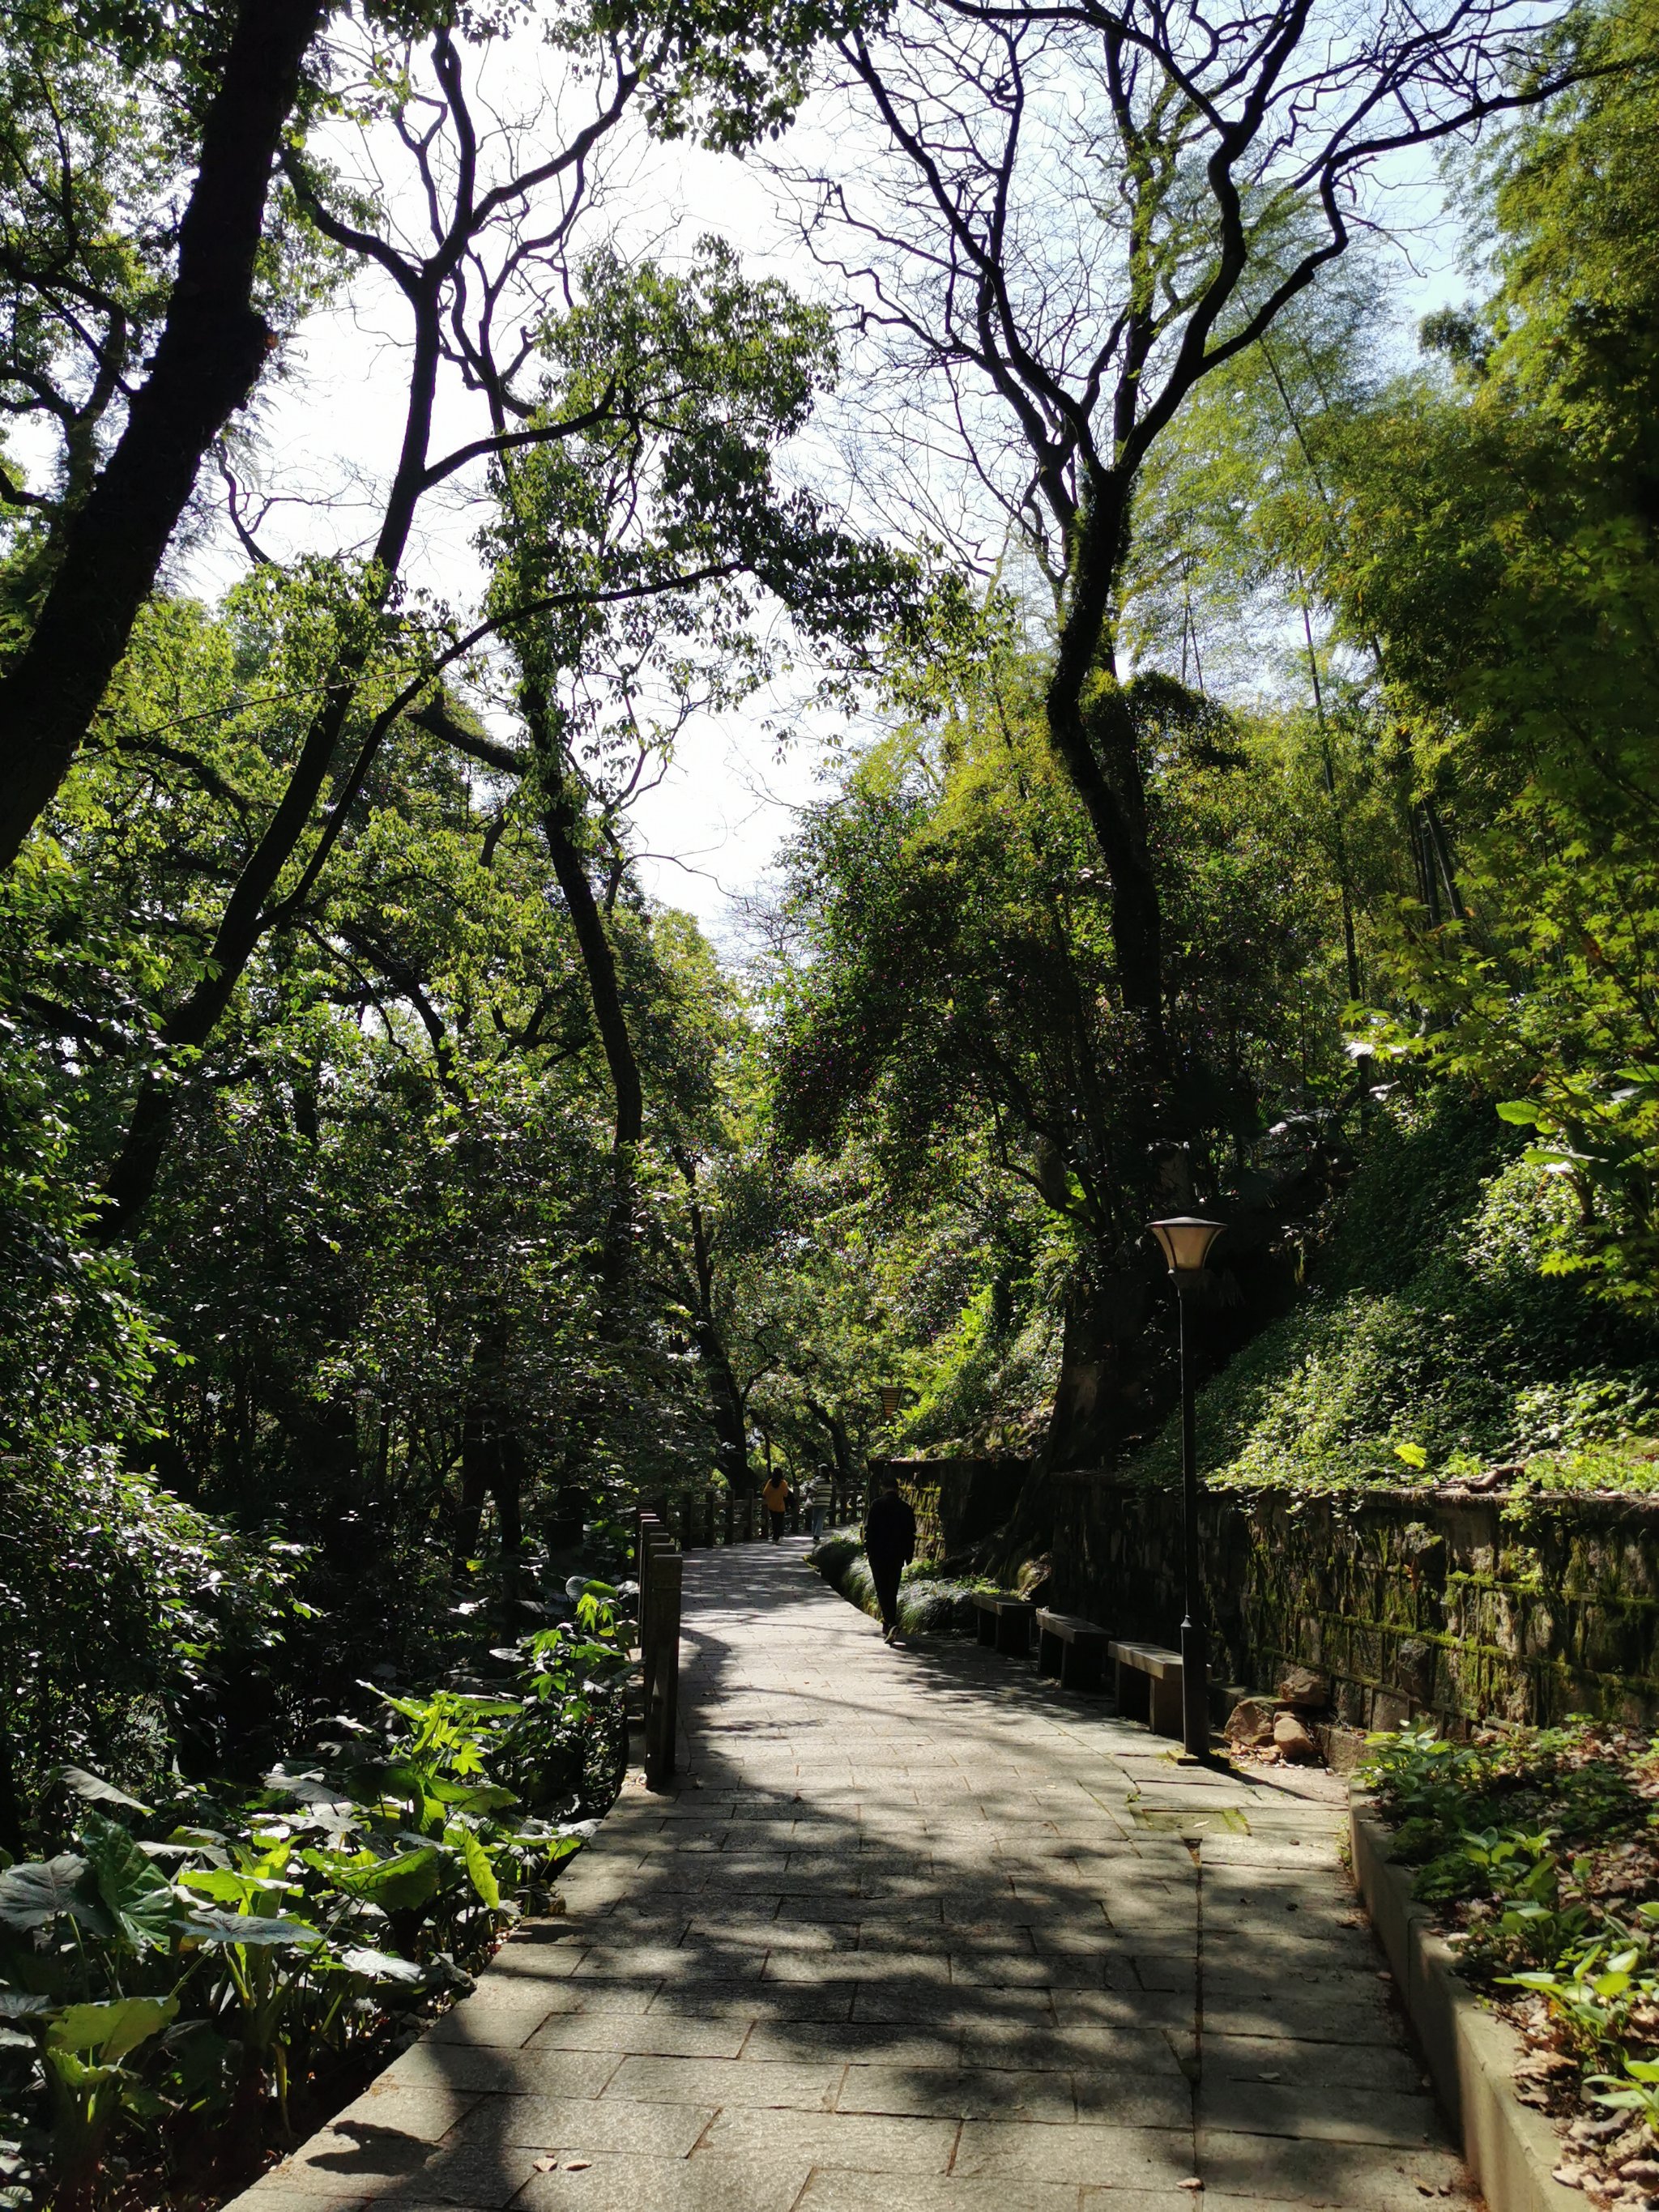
710 832
326 436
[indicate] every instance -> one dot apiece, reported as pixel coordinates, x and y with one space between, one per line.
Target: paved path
916 1933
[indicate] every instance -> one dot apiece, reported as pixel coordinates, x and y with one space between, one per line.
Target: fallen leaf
578 2165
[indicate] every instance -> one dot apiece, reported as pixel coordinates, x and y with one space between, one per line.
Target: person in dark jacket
890 1545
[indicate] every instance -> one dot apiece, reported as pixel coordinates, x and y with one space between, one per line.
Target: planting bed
1535 1853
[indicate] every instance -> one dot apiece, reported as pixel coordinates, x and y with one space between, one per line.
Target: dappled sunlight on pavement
914 1931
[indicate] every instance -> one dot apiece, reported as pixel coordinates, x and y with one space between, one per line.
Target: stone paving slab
914 1931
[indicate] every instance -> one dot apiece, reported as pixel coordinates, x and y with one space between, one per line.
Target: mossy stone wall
1411 1602
956 1501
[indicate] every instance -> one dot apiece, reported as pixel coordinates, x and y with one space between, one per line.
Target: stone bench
1005 1622
1071 1648
1149 1685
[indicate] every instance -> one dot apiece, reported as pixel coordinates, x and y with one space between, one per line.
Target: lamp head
1185 1241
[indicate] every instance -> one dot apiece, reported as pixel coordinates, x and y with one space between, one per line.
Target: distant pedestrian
774 1497
813 1498
890 1545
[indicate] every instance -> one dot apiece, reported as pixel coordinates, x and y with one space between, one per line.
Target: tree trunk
130 1183
839 1441
725 1407
1092 733
11 1812
493 1463
725 1401
560 816
1100 1396
475 1485
212 347
512 1466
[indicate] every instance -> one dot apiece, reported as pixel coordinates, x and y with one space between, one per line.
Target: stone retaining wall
1412 1602
957 1502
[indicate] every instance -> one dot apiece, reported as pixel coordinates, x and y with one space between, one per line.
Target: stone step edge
1510 2149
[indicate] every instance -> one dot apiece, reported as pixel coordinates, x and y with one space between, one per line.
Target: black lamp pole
1185 1242
1194 1632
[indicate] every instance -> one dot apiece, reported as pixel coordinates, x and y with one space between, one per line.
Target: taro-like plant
153 1985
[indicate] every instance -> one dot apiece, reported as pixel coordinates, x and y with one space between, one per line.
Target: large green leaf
481 1871
210 1926
96 1790
228 1885
311 1789
138 1895
40 1891
397 1884
378 1965
82 2075
108 2032
474 1797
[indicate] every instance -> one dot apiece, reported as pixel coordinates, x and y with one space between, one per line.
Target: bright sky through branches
328 432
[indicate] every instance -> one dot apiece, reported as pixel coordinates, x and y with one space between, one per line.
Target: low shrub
178 1984
932 1597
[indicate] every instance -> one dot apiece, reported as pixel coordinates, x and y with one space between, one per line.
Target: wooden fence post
728 1517
662 1697
650 1538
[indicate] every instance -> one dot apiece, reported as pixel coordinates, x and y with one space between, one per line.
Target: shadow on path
914 1931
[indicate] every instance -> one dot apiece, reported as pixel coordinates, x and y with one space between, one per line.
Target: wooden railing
723 1517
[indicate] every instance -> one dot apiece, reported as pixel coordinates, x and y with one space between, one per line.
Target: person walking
890 1545
774 1497
813 1498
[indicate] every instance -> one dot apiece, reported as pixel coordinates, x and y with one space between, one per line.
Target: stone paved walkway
916 1933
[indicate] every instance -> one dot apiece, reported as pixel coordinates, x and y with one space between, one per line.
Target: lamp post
1185 1241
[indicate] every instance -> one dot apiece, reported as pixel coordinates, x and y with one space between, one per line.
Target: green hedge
929 1600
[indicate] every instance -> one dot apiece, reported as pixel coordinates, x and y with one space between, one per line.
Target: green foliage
1637 2091
1533 1844
77 1350
949 1025
212 1959
932 1598
134 1631
1433 1339
952 971
723 71
1495 550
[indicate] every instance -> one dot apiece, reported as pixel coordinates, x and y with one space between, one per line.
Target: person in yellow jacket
774 1497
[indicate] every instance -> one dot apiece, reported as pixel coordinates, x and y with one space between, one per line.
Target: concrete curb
1510 2149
